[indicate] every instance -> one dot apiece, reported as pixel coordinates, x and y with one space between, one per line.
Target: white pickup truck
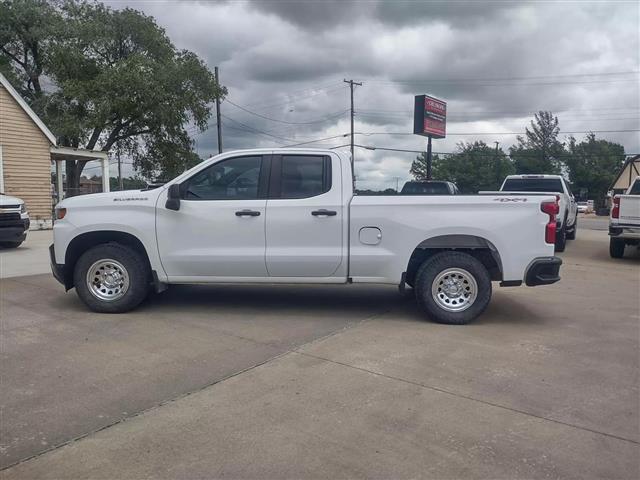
624 222
567 222
14 221
290 216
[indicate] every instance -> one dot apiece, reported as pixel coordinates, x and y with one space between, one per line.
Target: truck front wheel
453 288
111 278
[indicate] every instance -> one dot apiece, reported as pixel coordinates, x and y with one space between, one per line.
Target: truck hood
125 197
6 200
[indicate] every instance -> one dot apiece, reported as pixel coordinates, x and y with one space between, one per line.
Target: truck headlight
60 213
23 208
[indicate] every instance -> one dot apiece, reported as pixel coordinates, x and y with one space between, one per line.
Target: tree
539 151
593 165
116 79
475 166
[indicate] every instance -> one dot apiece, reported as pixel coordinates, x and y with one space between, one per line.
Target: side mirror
173 197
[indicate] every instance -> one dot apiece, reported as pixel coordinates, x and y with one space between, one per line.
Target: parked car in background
429 187
624 220
14 221
567 223
585 207
290 216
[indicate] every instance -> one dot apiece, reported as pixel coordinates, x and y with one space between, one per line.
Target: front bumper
14 231
543 271
58 269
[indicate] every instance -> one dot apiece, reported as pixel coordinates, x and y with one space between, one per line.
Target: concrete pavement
308 382
30 258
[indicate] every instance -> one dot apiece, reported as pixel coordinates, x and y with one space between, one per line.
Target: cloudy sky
494 63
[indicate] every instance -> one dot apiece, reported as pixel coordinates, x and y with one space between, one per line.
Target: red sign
430 117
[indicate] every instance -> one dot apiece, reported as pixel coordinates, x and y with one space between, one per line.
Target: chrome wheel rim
107 280
454 290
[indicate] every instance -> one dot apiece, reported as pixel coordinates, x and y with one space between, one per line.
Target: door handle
323 212
247 213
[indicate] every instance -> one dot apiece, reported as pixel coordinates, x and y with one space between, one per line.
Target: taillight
558 198
552 209
615 211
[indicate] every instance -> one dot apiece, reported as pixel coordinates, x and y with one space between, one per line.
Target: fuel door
370 235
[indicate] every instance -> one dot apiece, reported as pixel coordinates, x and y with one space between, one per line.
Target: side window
233 179
304 176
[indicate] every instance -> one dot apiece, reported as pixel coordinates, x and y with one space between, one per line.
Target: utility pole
497 165
120 184
351 84
429 158
218 120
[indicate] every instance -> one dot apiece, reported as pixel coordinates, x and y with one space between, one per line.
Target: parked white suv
549 184
14 221
290 216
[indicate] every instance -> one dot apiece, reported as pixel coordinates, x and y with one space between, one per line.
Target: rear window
635 190
417 188
533 185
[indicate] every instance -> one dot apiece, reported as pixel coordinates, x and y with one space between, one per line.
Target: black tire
571 235
11 244
136 268
429 272
616 247
561 239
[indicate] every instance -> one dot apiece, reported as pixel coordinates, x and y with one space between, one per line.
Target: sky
494 63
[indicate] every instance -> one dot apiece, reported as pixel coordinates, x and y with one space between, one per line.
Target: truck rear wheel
453 288
111 278
616 247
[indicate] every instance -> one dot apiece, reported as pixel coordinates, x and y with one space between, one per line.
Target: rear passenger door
304 220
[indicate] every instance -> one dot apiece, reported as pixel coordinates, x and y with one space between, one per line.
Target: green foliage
370 193
117 80
593 165
475 166
539 150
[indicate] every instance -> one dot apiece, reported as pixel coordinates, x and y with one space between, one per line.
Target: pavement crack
467 397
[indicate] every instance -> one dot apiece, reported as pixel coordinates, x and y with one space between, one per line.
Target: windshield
425 188
533 185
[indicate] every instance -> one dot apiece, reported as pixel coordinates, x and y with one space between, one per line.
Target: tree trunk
74 171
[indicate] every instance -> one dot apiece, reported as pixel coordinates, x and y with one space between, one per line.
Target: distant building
629 171
27 150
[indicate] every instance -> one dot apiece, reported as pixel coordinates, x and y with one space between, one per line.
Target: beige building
27 150
629 171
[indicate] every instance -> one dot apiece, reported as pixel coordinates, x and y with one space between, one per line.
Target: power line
497 133
256 130
536 77
295 99
475 154
318 140
302 90
324 119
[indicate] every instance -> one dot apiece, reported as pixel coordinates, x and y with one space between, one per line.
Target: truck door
219 230
305 217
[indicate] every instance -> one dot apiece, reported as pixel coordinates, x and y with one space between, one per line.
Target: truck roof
535 175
